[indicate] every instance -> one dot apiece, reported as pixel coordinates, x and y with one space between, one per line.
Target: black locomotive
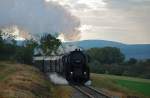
72 65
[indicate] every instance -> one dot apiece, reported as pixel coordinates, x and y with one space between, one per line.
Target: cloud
81 5
123 20
38 16
119 20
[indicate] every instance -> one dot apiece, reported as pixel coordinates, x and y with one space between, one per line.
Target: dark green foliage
110 60
1 40
49 44
138 69
132 61
107 55
23 54
96 67
106 60
7 46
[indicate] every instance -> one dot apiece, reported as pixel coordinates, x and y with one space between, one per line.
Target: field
122 86
24 81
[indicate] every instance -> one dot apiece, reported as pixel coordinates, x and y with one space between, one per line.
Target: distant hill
139 51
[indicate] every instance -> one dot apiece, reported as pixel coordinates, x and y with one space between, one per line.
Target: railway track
90 92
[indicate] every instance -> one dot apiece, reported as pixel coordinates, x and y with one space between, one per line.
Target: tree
24 53
1 43
132 61
108 60
49 44
7 45
1 39
107 55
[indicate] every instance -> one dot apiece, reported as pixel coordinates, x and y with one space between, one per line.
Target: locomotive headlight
85 73
71 72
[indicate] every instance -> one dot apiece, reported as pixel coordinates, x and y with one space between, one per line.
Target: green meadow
127 86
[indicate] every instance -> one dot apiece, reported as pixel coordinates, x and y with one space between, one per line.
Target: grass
24 81
6 72
62 92
124 86
140 87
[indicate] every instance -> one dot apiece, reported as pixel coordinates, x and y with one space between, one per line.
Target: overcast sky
126 21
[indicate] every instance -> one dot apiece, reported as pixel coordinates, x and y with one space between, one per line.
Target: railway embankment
25 81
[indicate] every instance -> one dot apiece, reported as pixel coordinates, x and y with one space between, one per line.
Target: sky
125 21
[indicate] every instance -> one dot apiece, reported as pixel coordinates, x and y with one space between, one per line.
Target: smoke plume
39 16
56 79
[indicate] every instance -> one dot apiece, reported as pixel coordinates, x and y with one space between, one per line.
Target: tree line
9 50
107 60
110 60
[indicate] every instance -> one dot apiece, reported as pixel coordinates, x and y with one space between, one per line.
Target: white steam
39 16
56 79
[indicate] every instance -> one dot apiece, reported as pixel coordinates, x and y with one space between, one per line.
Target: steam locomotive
71 65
